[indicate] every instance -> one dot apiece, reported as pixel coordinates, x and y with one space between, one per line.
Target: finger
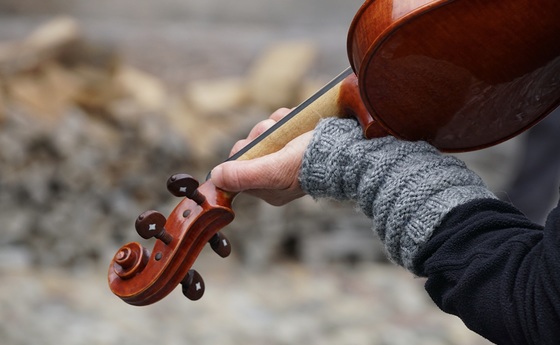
257 130
279 114
260 128
238 146
278 171
238 176
275 198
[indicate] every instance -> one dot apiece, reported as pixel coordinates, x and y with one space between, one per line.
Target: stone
276 77
215 97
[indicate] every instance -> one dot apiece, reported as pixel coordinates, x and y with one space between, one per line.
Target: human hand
274 177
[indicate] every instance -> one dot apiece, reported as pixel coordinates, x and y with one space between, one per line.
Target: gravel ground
287 304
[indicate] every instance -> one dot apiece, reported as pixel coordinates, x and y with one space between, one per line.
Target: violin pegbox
140 277
183 185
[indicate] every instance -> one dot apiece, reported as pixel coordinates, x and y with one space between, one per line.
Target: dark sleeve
497 271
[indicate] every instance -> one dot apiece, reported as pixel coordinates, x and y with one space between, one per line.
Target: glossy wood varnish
191 227
460 74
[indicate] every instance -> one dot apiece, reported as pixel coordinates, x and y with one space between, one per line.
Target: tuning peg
193 285
184 185
220 244
151 224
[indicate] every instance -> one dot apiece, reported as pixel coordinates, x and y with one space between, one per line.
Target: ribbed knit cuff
406 188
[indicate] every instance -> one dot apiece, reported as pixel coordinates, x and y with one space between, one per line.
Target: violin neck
324 103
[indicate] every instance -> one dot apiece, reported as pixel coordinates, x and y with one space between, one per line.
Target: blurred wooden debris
277 76
223 110
45 43
145 89
45 92
217 96
83 145
55 66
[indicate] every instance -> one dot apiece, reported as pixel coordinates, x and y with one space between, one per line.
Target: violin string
290 115
293 113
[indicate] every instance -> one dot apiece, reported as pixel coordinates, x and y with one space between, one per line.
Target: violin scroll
130 260
140 276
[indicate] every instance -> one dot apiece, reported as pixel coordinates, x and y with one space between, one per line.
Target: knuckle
279 114
261 127
238 146
232 180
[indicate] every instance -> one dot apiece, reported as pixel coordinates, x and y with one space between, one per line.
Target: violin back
460 74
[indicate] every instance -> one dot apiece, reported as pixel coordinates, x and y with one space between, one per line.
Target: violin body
460 74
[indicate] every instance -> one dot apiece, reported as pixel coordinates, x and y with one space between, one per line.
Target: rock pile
87 143
80 150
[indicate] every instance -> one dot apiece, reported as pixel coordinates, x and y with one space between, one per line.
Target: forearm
496 270
485 261
406 188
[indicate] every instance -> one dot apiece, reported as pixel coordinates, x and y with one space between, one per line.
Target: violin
461 75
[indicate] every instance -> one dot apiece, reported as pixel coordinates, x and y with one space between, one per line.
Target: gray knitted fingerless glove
406 188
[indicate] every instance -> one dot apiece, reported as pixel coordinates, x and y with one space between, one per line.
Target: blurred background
101 101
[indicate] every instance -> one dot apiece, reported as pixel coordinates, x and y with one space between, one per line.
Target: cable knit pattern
406 188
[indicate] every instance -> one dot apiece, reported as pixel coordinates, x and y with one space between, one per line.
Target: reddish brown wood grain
460 74
191 226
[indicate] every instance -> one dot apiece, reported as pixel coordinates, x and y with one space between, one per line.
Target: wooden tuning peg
151 224
184 185
220 244
193 285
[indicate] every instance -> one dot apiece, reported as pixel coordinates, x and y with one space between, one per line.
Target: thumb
277 171
238 176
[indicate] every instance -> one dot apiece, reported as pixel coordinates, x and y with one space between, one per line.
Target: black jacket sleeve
497 271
